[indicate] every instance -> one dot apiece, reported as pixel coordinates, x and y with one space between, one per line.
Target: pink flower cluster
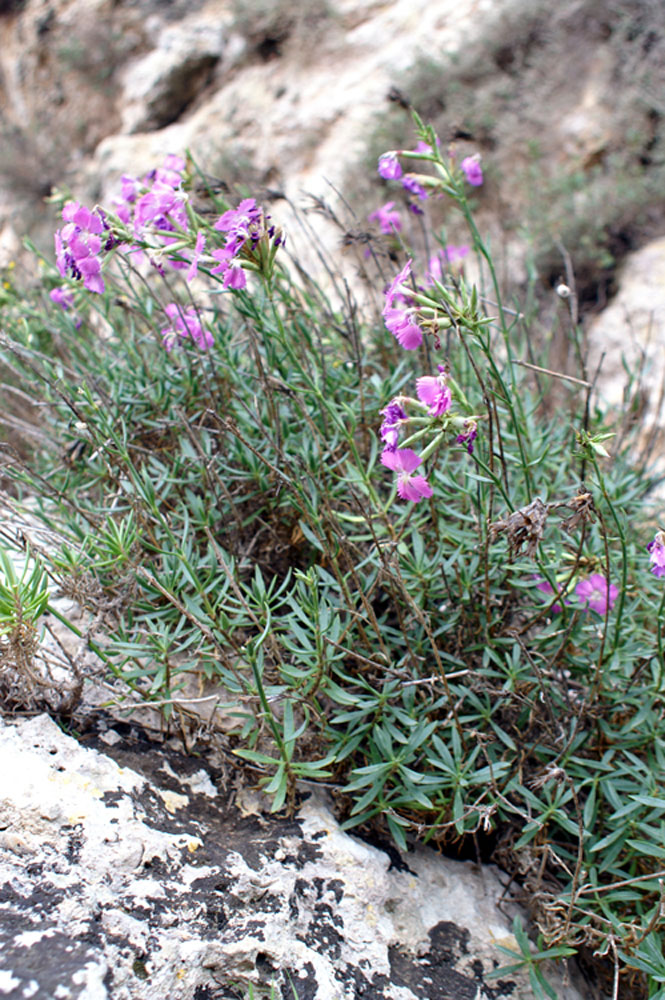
157 202
245 226
157 198
80 243
390 169
156 205
398 315
154 217
434 396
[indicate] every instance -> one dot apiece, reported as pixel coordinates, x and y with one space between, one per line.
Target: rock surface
157 87
130 872
288 94
629 337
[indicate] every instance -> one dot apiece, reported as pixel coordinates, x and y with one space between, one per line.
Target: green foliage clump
217 488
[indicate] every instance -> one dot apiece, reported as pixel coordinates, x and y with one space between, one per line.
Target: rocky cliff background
565 103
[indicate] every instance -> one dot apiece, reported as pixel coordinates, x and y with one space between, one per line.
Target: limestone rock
629 336
136 878
299 130
10 245
157 87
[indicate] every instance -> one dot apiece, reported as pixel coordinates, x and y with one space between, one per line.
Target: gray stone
134 877
628 340
157 87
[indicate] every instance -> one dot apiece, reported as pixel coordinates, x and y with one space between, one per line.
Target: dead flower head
523 527
583 511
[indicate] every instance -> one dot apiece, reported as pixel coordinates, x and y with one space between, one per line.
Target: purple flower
398 288
656 550
242 224
546 588
399 319
389 167
393 415
198 250
78 245
472 170
234 277
123 210
229 267
168 174
163 207
449 255
184 325
424 147
129 188
388 219
433 391
157 199
410 184
62 297
249 235
171 171
468 435
401 325
174 162
597 593
403 461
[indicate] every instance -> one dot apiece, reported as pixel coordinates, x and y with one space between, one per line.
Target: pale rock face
91 91
629 334
10 245
116 886
157 87
587 128
303 118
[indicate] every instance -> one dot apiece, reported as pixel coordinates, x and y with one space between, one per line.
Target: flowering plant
393 560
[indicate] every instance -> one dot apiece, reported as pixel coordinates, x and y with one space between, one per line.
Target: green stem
511 398
624 554
77 632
